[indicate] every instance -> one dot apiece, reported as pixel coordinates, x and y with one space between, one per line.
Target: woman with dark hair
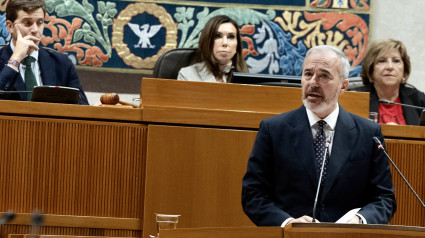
220 50
386 68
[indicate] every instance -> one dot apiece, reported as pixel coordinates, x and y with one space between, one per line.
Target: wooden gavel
113 99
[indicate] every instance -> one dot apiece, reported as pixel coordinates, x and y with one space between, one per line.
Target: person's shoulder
410 90
287 117
191 68
5 52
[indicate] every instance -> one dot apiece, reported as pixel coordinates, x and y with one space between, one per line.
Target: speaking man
283 170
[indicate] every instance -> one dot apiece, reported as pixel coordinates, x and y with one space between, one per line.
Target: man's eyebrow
322 70
31 18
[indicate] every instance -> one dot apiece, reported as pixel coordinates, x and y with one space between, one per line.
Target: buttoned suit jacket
55 68
281 178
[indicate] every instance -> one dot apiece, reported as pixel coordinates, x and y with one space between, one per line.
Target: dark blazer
410 96
56 70
281 179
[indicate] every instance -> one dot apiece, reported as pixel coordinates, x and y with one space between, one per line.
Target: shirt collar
330 119
33 54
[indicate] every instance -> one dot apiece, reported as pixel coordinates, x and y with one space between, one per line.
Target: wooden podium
317 230
105 171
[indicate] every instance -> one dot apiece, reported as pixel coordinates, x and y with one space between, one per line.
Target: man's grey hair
345 65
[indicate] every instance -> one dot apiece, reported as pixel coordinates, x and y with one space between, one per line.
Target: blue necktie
30 81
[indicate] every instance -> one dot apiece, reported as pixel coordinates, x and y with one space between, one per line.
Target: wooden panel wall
196 173
409 157
71 167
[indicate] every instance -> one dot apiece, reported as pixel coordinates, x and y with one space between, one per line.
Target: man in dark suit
283 170
25 22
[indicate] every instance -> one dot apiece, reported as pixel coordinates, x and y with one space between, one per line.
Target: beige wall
403 20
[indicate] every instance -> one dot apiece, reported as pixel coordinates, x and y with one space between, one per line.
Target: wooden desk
224 232
200 143
105 171
318 230
327 230
82 166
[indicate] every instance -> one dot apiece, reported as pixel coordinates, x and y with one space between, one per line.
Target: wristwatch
14 63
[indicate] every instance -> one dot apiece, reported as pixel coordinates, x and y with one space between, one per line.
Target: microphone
327 143
383 101
36 222
378 142
7 217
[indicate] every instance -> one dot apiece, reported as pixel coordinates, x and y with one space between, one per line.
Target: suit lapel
343 142
46 67
302 141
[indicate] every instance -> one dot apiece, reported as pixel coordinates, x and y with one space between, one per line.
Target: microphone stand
36 222
320 178
401 104
7 217
399 172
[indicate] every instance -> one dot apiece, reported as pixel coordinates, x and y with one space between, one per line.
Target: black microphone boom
401 104
399 172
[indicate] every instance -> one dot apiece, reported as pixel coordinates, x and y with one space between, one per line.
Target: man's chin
318 107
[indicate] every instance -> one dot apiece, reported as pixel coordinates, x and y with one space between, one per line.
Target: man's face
321 84
28 23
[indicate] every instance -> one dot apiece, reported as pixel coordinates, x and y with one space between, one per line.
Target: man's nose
314 81
34 27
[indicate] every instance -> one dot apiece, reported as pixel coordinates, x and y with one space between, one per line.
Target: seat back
169 64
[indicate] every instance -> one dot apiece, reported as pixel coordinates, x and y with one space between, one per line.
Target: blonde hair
377 49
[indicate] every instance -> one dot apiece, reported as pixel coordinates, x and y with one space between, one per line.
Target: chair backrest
169 64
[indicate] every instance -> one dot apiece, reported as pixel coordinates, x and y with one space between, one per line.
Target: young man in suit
25 22
283 170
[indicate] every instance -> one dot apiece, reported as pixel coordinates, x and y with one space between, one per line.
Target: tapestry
131 35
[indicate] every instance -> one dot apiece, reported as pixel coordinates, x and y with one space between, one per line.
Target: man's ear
344 86
10 27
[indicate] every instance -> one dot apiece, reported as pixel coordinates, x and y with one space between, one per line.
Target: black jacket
408 95
281 177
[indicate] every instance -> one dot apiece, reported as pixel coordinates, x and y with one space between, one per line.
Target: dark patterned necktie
320 148
30 81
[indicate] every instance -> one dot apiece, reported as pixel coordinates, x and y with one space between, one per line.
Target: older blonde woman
386 68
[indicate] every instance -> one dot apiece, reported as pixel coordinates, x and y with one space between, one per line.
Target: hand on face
27 30
24 44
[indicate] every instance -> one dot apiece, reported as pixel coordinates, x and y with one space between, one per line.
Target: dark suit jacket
56 70
281 179
410 96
